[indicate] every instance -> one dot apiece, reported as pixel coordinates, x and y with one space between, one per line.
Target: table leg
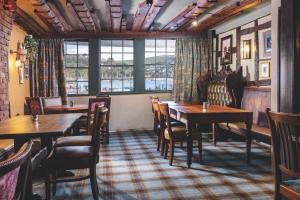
46 141
215 133
248 141
189 144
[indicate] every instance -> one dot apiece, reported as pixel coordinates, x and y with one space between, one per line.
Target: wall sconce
246 49
21 54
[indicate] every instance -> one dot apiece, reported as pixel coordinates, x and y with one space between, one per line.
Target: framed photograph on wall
267 43
226 49
21 75
265 70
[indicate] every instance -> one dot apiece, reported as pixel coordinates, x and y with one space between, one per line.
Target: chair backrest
102 95
34 105
52 101
153 99
164 117
285 132
93 102
156 114
98 124
14 172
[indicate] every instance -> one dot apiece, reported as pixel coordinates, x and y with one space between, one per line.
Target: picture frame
21 75
265 70
226 50
267 39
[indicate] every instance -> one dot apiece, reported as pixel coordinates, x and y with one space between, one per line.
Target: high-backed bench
226 88
255 99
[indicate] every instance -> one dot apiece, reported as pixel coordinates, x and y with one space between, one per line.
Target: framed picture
226 49
21 75
265 70
267 43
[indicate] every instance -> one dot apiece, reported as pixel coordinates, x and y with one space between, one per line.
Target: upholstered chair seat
178 133
73 141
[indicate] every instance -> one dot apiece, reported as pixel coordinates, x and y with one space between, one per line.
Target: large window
159 64
116 65
76 65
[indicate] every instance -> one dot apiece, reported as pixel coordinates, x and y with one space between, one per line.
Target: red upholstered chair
34 105
285 134
86 123
13 174
78 157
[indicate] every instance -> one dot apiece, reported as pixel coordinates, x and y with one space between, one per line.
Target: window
76 65
116 65
159 64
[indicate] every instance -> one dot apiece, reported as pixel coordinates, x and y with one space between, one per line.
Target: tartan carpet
131 168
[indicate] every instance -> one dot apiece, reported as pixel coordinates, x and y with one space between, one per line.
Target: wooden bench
255 99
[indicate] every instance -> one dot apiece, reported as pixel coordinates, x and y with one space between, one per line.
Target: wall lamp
246 49
21 54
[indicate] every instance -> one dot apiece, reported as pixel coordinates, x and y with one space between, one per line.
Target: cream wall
129 111
17 91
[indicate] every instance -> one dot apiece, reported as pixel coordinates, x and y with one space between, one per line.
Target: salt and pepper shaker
71 103
205 105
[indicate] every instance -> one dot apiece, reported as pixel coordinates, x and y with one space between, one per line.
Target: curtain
47 73
192 59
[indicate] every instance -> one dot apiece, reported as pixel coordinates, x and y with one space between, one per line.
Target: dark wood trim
256 28
256 53
217 52
258 83
238 47
121 35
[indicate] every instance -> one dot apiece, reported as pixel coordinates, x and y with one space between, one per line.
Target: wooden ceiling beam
140 16
107 22
115 8
28 23
43 11
57 13
189 14
84 15
95 19
75 16
226 14
153 12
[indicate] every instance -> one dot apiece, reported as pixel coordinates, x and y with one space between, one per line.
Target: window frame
77 67
94 62
166 65
133 66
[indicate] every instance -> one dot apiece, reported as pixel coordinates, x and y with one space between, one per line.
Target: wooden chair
86 123
77 157
52 101
154 99
34 105
173 134
14 172
285 134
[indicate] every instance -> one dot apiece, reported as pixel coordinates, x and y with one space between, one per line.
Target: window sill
121 93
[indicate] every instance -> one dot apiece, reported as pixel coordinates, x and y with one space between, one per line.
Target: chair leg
94 184
158 141
47 185
172 146
166 150
215 133
54 182
181 144
163 144
200 148
107 134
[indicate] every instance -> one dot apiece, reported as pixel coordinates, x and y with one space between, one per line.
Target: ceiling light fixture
195 23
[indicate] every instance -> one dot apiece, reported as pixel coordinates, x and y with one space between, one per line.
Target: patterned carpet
131 168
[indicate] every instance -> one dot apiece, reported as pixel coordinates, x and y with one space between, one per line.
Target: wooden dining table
22 129
192 114
76 108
